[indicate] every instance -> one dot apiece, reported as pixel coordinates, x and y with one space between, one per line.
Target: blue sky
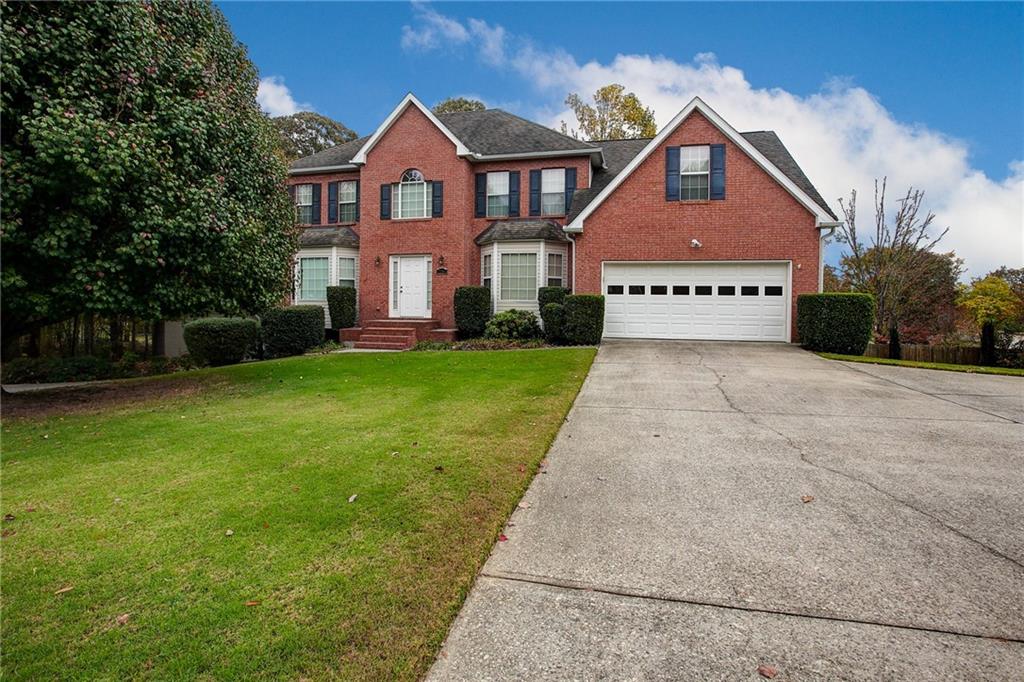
928 94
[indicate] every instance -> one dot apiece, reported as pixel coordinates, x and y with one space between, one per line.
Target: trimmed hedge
584 319
553 315
292 330
472 310
835 322
513 324
221 340
341 302
547 295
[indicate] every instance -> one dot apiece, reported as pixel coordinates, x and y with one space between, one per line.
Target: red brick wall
758 219
322 179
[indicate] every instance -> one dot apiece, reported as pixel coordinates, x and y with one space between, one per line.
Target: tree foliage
989 301
139 176
308 132
455 104
898 266
614 115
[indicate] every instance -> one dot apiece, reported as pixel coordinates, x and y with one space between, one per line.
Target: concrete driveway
668 536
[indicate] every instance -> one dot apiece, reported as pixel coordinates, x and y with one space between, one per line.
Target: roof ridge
622 139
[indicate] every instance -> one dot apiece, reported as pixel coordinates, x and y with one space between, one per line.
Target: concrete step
384 345
388 338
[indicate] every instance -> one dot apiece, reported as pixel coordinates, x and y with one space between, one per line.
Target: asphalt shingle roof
520 230
769 144
335 156
335 235
494 131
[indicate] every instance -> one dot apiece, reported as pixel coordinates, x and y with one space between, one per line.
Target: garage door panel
697 300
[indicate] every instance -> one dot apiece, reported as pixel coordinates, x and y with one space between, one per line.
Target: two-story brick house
698 233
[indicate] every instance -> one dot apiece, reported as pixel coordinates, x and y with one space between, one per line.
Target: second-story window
304 204
694 172
497 194
412 196
347 202
552 191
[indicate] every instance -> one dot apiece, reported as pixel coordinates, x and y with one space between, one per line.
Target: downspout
831 227
571 239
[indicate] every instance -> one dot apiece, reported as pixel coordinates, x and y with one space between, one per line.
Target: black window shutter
437 199
513 194
316 204
672 173
357 201
385 202
717 171
570 187
535 192
332 202
481 195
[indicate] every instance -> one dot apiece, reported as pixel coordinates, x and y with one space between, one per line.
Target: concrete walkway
711 508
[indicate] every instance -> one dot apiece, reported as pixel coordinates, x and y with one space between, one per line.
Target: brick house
698 233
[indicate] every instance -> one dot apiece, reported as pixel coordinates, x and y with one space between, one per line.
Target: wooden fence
952 355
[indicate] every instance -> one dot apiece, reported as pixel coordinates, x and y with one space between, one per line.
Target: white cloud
276 99
842 136
433 30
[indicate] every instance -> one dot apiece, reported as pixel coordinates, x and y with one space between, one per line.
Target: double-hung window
552 191
313 277
347 202
518 277
556 269
694 172
497 194
347 272
304 204
487 270
412 196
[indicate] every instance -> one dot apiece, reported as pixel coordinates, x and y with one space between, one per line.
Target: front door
410 274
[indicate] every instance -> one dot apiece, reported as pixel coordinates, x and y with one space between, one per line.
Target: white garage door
727 301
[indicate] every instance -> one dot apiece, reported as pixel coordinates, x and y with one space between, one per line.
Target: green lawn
977 369
130 506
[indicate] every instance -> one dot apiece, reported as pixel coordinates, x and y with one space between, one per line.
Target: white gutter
323 169
538 155
831 227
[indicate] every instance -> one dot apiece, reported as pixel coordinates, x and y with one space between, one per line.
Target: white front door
410 286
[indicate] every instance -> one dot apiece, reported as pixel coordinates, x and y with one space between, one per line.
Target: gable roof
769 144
822 215
335 158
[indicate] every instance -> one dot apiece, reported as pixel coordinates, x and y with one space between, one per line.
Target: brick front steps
396 334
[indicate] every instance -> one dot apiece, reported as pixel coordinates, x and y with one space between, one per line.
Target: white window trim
536 271
483 273
686 173
507 194
547 269
561 191
300 204
396 200
354 201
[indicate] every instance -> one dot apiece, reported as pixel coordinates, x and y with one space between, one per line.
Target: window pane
773 291
303 195
614 289
347 213
748 291
518 276
678 290
304 215
313 279
413 199
346 192
497 206
693 187
497 183
637 289
659 290
555 261
695 159
554 281
552 180
394 284
726 291
347 272
702 291
487 266
552 204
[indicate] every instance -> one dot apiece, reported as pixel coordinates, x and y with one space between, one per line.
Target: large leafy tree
614 115
991 303
139 176
455 104
308 132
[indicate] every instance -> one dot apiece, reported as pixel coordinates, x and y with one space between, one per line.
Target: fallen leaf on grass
123 618
252 602
229 532
8 517
353 498
502 538
767 671
439 468
807 498
522 468
7 532
65 589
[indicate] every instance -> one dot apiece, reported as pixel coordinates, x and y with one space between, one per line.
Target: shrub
341 302
498 344
292 330
835 322
512 324
546 295
53 370
472 310
553 315
433 345
584 319
221 340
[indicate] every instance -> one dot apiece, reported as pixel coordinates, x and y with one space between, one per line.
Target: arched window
412 196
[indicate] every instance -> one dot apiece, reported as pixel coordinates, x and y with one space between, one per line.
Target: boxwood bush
292 330
553 316
835 322
221 340
472 310
584 319
341 302
513 324
547 295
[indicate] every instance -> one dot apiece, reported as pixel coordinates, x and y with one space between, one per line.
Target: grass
974 369
130 506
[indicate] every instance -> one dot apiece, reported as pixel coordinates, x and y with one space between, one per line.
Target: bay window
552 191
347 272
487 270
313 275
518 277
556 270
